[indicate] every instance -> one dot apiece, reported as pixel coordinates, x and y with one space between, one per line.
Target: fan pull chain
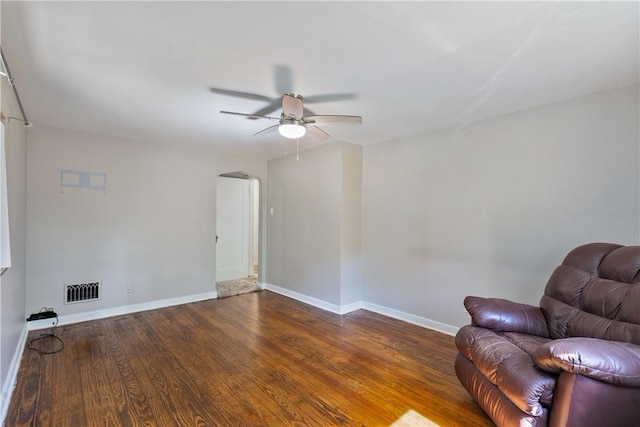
297 148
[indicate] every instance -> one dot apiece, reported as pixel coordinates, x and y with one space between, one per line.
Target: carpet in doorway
230 288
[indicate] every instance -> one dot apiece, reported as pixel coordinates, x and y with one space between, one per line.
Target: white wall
13 282
303 234
154 227
314 233
491 208
350 225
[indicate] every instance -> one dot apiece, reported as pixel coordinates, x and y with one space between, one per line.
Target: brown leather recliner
573 361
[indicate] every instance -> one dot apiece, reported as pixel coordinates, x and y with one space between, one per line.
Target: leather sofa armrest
609 361
501 315
580 401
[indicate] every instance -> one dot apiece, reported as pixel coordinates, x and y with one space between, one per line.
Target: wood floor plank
26 398
185 346
352 371
263 372
134 406
100 396
275 342
257 359
165 387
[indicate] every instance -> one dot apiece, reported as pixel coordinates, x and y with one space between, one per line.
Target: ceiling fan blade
239 94
292 106
328 98
251 116
333 119
283 78
308 112
316 132
267 130
273 106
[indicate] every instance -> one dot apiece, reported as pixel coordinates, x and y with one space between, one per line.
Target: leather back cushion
595 293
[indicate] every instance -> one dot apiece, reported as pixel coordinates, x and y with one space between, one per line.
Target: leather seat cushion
505 359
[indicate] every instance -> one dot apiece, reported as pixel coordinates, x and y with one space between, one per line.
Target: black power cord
52 335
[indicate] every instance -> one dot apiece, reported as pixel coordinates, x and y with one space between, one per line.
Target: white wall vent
81 292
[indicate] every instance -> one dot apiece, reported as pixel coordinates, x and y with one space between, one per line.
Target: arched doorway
237 234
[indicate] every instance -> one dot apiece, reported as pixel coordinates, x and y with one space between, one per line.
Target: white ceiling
142 70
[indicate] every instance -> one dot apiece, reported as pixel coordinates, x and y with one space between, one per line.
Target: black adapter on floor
45 314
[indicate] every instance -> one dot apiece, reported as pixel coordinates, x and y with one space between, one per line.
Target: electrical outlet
132 288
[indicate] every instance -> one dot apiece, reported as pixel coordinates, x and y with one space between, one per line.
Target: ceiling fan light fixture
292 130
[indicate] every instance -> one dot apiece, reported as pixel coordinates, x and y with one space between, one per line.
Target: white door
232 229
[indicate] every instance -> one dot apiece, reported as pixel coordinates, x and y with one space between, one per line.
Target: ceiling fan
295 119
293 123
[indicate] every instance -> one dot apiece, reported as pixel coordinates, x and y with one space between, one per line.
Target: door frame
260 232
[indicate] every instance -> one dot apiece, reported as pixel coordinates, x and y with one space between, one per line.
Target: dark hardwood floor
253 359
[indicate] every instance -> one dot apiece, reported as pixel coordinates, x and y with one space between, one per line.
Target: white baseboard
327 306
411 318
12 374
348 308
117 311
385 311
